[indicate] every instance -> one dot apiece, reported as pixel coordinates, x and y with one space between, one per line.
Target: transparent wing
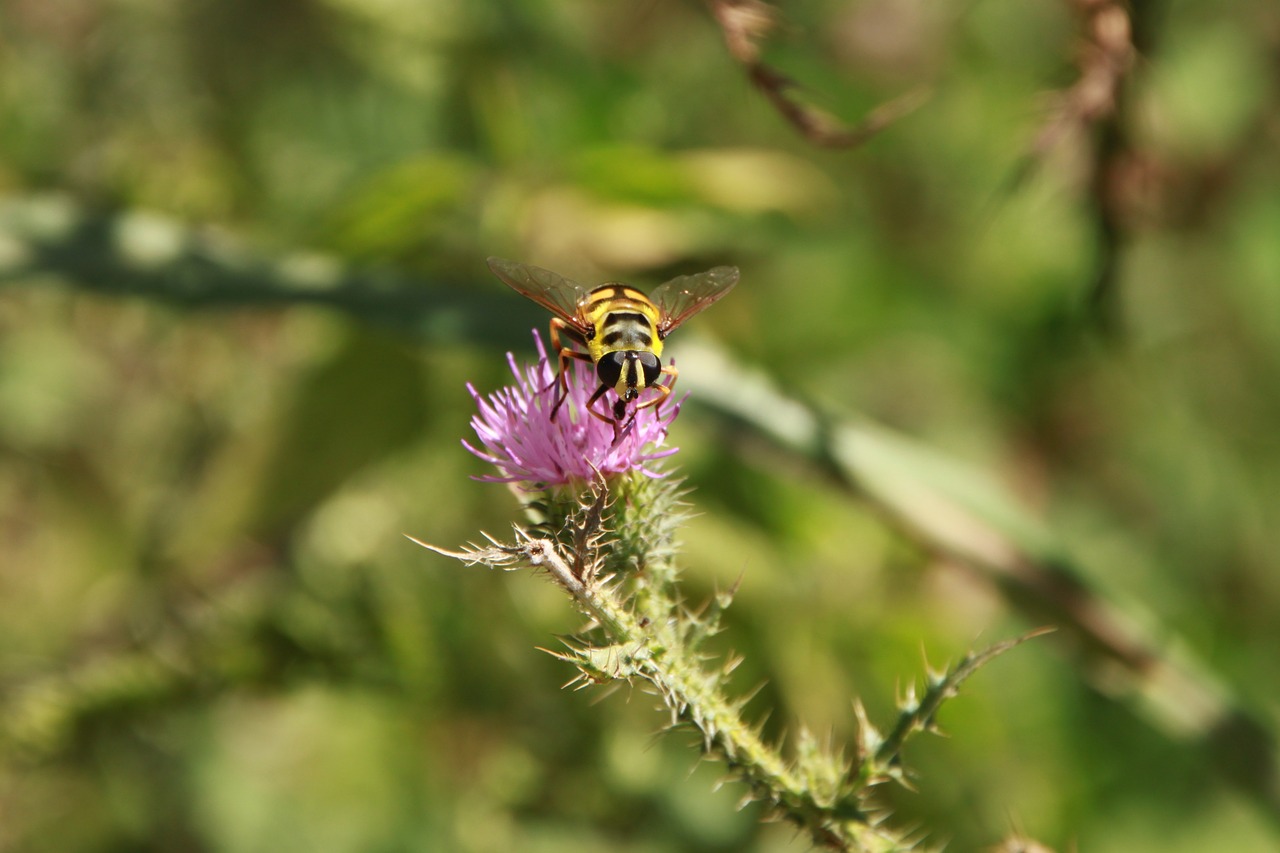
681 298
552 291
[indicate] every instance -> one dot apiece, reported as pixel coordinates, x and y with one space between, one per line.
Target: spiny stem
654 652
919 715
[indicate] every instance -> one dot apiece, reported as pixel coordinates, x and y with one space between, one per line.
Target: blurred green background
242 249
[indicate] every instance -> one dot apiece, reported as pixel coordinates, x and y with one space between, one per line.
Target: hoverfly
621 329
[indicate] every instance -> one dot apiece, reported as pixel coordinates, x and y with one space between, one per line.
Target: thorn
909 701
725 598
457 555
869 737
608 690
933 676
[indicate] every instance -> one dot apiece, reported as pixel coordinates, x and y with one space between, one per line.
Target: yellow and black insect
621 329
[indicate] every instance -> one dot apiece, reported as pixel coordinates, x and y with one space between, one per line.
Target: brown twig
1097 99
1106 57
745 24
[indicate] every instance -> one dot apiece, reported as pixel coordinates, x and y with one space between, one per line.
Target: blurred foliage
241 250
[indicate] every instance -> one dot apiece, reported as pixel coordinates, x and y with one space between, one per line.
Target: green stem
653 650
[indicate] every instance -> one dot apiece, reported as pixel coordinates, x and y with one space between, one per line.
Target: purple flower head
519 437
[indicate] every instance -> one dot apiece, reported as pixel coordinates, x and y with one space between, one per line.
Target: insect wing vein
681 298
559 295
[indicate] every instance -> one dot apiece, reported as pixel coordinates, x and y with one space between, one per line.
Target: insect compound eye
609 368
652 368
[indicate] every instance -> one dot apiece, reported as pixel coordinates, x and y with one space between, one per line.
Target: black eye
652 368
609 369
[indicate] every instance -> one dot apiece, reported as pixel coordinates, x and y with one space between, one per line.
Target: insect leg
564 354
664 390
596 396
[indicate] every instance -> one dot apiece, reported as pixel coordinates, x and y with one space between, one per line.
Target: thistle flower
520 438
611 546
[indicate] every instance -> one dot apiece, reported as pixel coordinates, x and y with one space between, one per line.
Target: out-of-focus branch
1114 34
1108 58
161 259
1105 58
746 24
